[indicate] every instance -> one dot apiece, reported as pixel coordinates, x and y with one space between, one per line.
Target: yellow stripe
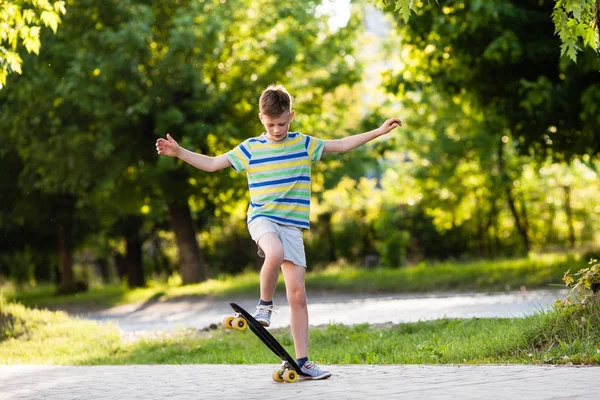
274 167
280 189
241 156
258 145
280 206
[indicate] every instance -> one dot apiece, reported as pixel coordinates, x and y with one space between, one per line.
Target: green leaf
590 37
570 49
32 44
28 16
14 61
51 19
3 75
59 6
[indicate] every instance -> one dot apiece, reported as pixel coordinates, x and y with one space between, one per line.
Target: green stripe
295 171
293 193
260 152
318 149
236 161
283 213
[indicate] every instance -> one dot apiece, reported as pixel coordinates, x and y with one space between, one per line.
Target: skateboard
289 371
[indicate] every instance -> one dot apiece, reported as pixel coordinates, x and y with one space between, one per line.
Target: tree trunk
192 267
121 266
480 234
159 261
518 223
133 260
64 232
331 251
104 269
569 212
492 239
549 223
525 219
511 201
64 236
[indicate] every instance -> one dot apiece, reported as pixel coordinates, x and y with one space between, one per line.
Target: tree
127 72
54 132
493 82
20 25
574 20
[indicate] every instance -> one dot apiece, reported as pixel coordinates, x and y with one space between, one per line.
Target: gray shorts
290 236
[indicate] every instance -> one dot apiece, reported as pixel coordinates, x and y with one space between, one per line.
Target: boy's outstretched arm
351 142
169 147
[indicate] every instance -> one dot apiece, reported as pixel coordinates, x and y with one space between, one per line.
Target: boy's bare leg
294 276
269 273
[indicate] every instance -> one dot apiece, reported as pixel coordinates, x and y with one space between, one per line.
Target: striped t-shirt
278 176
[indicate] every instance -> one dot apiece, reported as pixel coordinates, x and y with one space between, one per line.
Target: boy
277 164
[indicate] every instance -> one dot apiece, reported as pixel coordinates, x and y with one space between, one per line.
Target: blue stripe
291 221
245 151
291 201
286 180
279 158
291 135
299 201
307 142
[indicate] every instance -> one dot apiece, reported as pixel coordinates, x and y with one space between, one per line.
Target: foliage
577 20
533 97
20 25
393 240
490 112
570 331
493 121
119 74
574 20
586 288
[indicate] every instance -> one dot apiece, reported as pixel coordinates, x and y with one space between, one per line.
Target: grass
535 271
561 336
46 337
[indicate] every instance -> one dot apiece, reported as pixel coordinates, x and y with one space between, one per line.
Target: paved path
254 382
346 309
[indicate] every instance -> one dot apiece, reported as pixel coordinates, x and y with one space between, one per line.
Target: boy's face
277 127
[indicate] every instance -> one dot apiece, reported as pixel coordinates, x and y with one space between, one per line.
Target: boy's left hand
390 125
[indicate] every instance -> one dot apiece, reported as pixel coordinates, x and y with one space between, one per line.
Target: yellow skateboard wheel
290 376
227 322
277 376
239 323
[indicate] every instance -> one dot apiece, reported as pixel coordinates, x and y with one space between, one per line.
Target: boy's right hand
168 147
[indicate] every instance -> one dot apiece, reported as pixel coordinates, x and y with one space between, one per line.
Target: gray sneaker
263 314
313 371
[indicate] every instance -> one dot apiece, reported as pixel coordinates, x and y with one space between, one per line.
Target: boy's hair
274 101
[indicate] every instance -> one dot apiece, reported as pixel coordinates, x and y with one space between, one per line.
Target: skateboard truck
236 322
285 373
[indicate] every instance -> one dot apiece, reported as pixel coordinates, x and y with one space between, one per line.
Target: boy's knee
272 248
274 256
297 298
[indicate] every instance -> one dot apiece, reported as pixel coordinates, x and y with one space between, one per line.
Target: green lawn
557 337
535 271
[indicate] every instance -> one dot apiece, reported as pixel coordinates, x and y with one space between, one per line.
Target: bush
10 325
570 332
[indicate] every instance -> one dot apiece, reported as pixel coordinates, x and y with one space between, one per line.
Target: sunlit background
497 156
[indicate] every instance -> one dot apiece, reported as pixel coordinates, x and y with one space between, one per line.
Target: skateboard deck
268 339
